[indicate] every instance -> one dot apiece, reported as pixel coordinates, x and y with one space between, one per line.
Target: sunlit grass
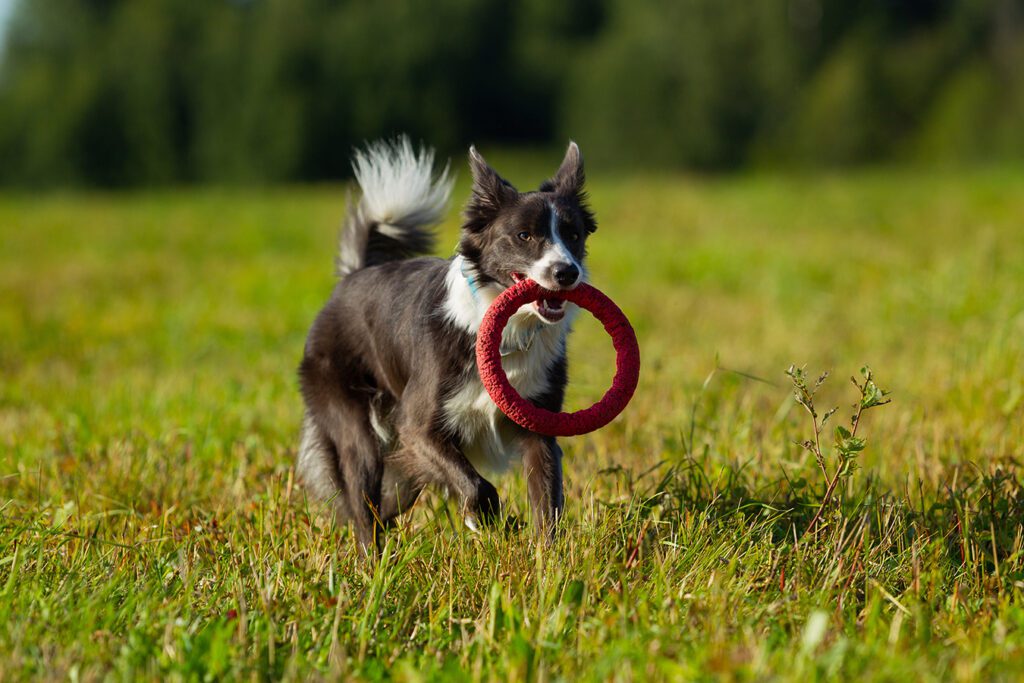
150 524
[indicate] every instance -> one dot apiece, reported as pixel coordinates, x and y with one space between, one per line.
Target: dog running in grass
393 399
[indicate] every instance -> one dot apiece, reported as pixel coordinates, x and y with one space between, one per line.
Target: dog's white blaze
556 237
557 252
486 434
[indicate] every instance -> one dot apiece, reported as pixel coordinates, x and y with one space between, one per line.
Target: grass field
151 526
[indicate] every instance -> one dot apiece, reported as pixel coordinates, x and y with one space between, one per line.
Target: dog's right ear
491 192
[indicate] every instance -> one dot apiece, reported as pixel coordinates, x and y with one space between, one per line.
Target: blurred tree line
128 92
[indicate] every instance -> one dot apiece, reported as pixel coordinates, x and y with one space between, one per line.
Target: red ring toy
522 411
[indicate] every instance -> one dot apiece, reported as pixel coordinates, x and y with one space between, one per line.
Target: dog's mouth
551 310
548 310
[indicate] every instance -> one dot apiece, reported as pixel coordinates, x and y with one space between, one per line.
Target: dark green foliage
152 91
690 82
130 92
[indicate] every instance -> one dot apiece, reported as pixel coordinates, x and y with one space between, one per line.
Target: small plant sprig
846 444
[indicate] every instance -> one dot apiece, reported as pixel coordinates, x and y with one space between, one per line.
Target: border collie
393 399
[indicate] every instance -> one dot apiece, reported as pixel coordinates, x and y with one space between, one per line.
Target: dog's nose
566 274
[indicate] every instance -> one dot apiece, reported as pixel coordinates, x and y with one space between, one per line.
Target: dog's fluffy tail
402 201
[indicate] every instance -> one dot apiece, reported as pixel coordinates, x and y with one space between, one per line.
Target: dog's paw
514 524
510 524
471 523
484 508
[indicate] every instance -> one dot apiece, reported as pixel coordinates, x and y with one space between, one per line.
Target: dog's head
508 235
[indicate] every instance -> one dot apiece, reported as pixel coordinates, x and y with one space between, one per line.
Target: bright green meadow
151 526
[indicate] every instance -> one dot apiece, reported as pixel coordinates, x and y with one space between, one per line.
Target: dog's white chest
488 437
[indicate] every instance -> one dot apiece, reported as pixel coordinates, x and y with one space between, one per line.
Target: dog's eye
575 236
524 236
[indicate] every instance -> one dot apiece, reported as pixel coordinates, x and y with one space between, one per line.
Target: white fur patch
462 306
487 435
381 427
399 187
313 463
465 305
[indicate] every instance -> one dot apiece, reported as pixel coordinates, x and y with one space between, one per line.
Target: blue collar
470 280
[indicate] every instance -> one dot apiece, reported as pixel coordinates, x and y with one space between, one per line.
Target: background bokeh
142 92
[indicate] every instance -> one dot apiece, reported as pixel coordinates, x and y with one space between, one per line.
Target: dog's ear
569 179
568 182
490 192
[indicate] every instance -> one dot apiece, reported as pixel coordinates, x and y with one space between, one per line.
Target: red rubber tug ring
522 411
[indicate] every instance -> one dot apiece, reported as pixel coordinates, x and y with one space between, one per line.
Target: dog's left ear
569 178
568 182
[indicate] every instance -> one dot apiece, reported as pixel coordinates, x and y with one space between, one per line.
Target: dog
393 399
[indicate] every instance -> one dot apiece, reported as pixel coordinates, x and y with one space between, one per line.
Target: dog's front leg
542 460
432 457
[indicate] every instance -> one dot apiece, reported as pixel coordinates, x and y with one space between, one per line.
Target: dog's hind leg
362 470
317 468
345 422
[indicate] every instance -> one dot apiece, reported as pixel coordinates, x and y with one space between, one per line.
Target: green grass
151 525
